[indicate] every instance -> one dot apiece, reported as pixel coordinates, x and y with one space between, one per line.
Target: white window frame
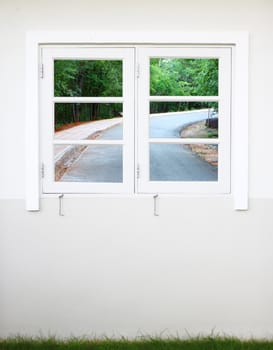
238 41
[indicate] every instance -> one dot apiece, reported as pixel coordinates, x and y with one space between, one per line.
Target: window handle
156 205
61 196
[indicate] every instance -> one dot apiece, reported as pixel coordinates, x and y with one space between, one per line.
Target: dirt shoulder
208 152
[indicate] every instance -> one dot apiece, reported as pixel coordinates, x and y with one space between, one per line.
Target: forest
102 78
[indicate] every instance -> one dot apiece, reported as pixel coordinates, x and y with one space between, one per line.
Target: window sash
48 100
223 185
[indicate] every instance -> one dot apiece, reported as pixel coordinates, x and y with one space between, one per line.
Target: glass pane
183 76
184 119
176 162
94 163
88 121
87 78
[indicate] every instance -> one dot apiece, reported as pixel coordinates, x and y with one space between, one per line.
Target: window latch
42 71
138 71
138 172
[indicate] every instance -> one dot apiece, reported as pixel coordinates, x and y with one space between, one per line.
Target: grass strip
207 343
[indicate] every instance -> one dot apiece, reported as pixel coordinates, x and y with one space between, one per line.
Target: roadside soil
199 130
70 125
73 124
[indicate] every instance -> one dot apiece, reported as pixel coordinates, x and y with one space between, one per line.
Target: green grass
208 343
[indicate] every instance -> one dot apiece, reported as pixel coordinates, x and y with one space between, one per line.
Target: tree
182 77
95 78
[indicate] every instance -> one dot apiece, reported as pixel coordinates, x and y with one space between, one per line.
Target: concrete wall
109 266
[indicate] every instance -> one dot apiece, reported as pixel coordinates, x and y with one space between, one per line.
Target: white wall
109 266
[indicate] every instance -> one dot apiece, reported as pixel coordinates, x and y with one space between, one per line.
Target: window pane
94 163
176 162
183 77
92 78
88 121
184 119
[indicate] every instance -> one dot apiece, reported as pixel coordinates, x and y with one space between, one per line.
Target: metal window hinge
41 71
138 172
43 170
138 70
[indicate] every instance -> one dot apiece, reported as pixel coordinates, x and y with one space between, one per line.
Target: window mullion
184 140
88 142
109 99
184 98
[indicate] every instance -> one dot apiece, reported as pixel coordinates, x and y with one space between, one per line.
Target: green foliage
86 78
165 107
96 78
183 77
65 112
209 343
102 78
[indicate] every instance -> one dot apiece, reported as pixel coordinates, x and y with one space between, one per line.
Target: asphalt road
102 163
168 162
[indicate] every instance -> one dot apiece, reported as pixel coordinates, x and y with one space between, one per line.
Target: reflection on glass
88 121
87 78
184 119
94 163
183 76
176 162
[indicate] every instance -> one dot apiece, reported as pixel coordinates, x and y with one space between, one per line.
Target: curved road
168 162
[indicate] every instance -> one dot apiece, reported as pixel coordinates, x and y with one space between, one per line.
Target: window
136 119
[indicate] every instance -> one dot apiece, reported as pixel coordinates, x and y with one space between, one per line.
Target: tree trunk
90 112
95 109
76 113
